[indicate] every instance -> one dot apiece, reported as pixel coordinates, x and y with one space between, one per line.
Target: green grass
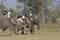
47 32
50 26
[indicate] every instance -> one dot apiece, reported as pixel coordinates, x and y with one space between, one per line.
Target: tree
17 8
13 13
52 13
35 6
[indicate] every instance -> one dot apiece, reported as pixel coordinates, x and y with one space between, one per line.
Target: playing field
49 34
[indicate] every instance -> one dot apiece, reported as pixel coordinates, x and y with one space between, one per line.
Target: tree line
38 7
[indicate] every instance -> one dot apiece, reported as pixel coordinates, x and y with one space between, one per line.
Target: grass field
48 32
42 35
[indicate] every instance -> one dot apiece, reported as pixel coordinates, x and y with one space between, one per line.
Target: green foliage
50 2
2 7
20 0
32 5
53 19
54 13
13 13
40 7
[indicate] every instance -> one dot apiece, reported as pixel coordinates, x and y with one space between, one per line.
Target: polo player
20 18
30 15
8 14
4 12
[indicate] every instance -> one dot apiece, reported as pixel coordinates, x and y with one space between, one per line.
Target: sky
9 3
54 4
12 4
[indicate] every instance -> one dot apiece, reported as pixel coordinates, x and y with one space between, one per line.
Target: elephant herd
15 26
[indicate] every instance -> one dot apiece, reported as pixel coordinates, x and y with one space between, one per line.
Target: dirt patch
37 36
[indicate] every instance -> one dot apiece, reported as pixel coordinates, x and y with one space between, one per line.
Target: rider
23 17
30 13
4 12
9 14
20 18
